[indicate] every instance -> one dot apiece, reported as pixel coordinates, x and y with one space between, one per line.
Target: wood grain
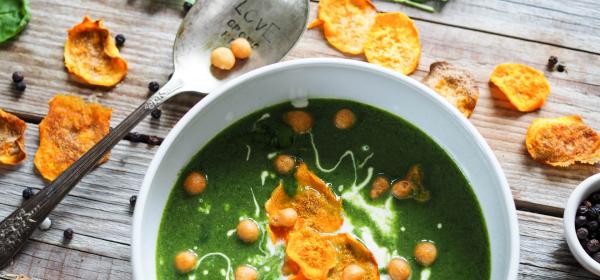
553 22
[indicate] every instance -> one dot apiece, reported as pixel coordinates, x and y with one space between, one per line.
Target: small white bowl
580 193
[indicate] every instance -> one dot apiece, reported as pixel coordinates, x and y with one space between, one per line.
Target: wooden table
476 35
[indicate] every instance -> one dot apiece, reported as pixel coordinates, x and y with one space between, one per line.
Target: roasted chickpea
380 185
284 164
344 119
353 272
222 58
248 231
403 189
194 183
425 253
284 218
299 121
241 48
185 261
399 269
245 272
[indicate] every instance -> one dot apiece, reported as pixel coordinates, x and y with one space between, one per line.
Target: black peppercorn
120 40
582 210
153 86
582 233
594 213
132 200
552 60
580 221
27 193
593 246
592 226
596 257
156 113
17 77
68 233
561 68
21 86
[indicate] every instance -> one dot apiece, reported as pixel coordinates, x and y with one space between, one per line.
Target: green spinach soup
333 190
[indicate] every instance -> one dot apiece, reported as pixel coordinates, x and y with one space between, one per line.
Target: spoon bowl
271 27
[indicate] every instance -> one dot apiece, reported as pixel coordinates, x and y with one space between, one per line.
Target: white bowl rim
585 188
339 62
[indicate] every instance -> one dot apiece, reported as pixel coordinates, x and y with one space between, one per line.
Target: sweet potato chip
71 127
563 141
351 251
525 87
92 56
393 42
314 201
346 23
457 85
12 139
313 253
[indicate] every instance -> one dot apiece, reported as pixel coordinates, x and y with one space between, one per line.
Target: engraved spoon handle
19 225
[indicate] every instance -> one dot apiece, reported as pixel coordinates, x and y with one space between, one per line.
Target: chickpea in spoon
224 58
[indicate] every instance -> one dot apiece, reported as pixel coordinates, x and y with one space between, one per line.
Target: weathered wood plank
544 251
554 22
41 260
97 209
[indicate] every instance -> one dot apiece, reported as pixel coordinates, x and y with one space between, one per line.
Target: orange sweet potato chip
92 56
393 42
562 141
456 85
351 251
525 87
346 23
71 127
313 253
314 202
12 139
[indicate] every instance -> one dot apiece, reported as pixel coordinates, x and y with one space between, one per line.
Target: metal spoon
271 26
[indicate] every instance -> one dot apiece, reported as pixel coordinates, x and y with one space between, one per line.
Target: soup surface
241 177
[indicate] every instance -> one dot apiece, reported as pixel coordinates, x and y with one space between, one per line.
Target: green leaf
14 16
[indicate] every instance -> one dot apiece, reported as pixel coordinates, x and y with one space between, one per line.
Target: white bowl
330 78
583 190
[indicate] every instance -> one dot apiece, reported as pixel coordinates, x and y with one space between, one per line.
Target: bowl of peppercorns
582 223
